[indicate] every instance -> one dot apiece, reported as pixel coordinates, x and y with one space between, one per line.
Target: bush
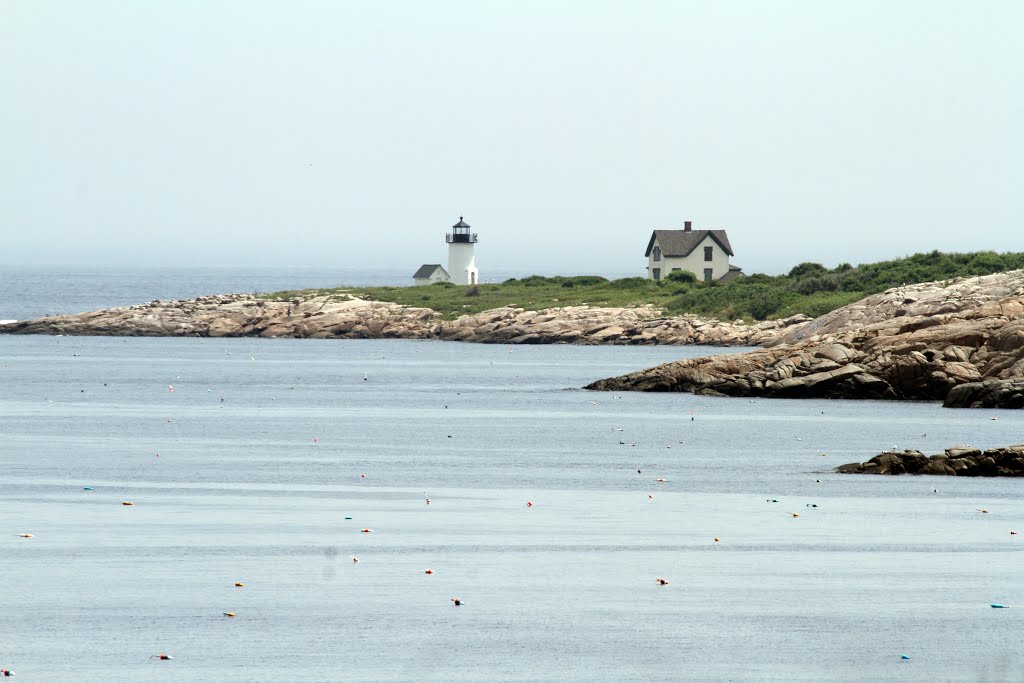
807 269
681 276
633 283
762 308
584 280
473 291
810 285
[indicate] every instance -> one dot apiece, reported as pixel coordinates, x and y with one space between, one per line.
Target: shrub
633 283
806 269
473 291
762 308
681 276
585 280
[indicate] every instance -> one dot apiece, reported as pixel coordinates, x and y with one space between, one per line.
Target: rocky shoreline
959 461
343 317
960 342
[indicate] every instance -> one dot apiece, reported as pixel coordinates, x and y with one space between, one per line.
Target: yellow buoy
127 502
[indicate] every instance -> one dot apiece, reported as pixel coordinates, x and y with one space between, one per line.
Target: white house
705 253
429 273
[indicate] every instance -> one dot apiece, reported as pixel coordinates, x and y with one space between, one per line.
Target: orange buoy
25 535
428 571
366 531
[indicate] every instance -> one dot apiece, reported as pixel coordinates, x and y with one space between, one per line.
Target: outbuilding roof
733 273
427 269
682 242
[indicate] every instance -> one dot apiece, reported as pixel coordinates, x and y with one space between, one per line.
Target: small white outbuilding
429 273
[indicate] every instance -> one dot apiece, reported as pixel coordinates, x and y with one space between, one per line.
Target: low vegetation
808 288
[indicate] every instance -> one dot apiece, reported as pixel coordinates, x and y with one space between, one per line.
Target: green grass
808 288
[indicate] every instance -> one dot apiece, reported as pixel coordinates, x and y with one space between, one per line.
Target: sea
355 489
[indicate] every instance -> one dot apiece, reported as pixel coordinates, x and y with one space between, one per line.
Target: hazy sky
355 133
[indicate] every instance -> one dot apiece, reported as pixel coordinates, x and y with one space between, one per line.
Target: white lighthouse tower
461 261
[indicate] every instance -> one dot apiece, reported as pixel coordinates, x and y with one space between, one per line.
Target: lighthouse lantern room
461 259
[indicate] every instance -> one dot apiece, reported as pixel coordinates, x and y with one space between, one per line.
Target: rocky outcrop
588 325
343 317
960 342
240 315
959 461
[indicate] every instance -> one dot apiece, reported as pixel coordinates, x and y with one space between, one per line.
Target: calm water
262 446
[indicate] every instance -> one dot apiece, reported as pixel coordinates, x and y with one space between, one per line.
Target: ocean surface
260 461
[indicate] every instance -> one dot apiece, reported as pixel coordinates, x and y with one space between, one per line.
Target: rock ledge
959 461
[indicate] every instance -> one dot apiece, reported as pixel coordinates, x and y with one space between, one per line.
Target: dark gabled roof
427 269
682 242
461 223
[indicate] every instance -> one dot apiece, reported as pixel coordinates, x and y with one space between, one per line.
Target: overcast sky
355 133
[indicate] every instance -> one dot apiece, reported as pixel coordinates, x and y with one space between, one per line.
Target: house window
657 273
707 253
707 274
657 253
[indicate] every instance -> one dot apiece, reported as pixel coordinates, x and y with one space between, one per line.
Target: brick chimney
688 226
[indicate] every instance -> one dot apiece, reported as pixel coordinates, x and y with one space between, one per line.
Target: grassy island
808 288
